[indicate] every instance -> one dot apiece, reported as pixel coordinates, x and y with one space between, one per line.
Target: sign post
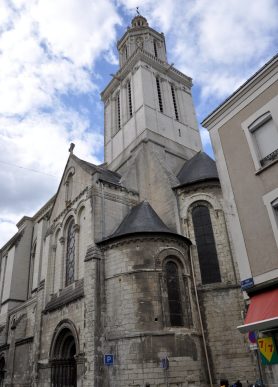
108 359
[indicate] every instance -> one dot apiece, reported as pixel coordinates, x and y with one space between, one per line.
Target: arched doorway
2 371
63 363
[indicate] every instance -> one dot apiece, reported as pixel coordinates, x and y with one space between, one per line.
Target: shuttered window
265 135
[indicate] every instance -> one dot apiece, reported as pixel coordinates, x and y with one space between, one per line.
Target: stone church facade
130 258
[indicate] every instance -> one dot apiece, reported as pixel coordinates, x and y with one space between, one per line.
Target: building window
270 200
69 185
174 294
159 94
129 99
70 256
118 112
265 136
208 260
275 209
174 102
155 48
31 269
125 53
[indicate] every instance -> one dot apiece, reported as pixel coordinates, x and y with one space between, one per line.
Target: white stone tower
148 100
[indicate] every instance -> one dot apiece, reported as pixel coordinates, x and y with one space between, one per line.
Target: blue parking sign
108 359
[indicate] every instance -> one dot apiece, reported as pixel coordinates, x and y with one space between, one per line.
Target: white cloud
219 43
47 54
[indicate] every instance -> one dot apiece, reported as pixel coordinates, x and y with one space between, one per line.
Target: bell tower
148 100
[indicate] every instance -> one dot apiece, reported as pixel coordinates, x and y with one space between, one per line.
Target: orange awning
262 312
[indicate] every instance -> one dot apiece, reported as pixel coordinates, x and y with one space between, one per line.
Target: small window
129 99
265 136
173 91
205 242
70 256
159 94
69 185
155 48
118 112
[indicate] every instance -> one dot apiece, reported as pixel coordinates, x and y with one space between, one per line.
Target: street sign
108 359
268 350
252 337
247 283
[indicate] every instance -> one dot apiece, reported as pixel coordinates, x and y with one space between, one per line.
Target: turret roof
141 219
200 168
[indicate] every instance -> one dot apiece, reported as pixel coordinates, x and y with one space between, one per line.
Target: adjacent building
126 276
244 134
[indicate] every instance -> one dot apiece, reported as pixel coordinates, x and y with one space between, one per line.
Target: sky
56 56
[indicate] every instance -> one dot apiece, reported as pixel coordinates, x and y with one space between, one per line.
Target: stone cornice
150 59
135 239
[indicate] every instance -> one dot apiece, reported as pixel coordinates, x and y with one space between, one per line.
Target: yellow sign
266 347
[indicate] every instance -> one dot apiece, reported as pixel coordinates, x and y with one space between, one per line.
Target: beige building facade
244 134
123 278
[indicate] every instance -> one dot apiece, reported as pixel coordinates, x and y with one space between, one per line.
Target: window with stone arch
70 252
177 301
204 236
69 185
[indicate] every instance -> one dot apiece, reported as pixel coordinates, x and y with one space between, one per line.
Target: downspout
200 317
197 298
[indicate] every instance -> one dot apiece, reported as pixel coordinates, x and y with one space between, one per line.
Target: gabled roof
105 174
141 219
200 168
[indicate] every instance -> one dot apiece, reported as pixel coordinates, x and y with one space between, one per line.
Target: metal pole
259 366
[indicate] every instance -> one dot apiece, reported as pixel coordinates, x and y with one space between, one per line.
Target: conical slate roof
200 168
141 219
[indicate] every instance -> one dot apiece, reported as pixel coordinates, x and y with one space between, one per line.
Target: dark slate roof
200 168
105 174
141 219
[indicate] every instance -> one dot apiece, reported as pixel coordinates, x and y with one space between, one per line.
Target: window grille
174 294
174 102
155 48
70 257
159 95
208 259
118 111
129 99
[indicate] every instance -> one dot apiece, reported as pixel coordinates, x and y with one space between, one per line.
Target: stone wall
136 328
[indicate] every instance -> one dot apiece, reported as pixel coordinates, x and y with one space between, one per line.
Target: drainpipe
200 317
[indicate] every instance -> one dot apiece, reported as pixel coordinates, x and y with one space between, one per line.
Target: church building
126 277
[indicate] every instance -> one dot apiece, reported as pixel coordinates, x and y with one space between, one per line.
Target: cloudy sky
56 57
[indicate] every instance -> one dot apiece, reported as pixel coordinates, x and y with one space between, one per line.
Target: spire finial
137 11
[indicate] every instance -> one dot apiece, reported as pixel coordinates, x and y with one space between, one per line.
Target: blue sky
56 57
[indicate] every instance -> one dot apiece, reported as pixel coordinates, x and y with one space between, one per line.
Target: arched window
69 184
208 259
70 256
174 294
31 268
